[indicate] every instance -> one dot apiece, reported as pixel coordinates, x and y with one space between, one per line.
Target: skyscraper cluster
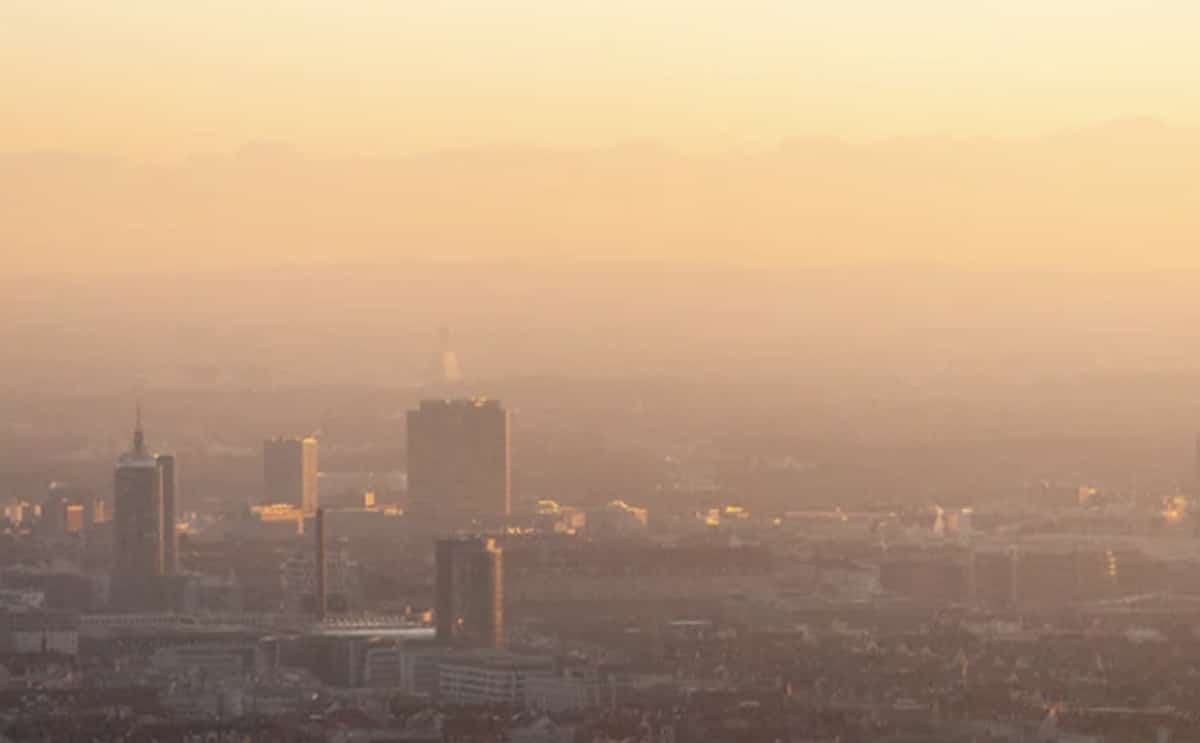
459 477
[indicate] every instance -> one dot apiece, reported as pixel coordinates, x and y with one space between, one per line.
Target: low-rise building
569 690
233 657
39 633
489 678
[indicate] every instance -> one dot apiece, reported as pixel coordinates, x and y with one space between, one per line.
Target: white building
38 632
489 678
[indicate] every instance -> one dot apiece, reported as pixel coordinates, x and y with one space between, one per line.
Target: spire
139 437
445 361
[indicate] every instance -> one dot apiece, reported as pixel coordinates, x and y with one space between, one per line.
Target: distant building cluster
433 605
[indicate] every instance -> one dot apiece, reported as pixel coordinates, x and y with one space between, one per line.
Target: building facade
489 680
458 460
469 600
166 469
290 472
39 633
298 577
138 543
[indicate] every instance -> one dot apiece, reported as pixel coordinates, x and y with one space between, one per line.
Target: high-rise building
166 468
469 603
458 459
290 472
138 544
54 509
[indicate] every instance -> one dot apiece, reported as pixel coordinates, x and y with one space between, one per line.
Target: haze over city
598 372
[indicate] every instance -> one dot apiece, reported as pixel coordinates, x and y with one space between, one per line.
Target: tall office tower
166 469
469 604
458 459
290 472
137 529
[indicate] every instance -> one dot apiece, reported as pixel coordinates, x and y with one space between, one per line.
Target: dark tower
138 545
469 604
458 460
321 599
166 468
290 472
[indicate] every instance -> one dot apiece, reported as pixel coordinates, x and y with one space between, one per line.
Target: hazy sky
165 79
980 133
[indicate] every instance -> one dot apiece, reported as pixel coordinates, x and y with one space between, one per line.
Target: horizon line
280 147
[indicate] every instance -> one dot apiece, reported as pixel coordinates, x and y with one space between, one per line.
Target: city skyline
600 371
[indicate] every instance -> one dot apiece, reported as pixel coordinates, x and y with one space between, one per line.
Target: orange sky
167 79
769 131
